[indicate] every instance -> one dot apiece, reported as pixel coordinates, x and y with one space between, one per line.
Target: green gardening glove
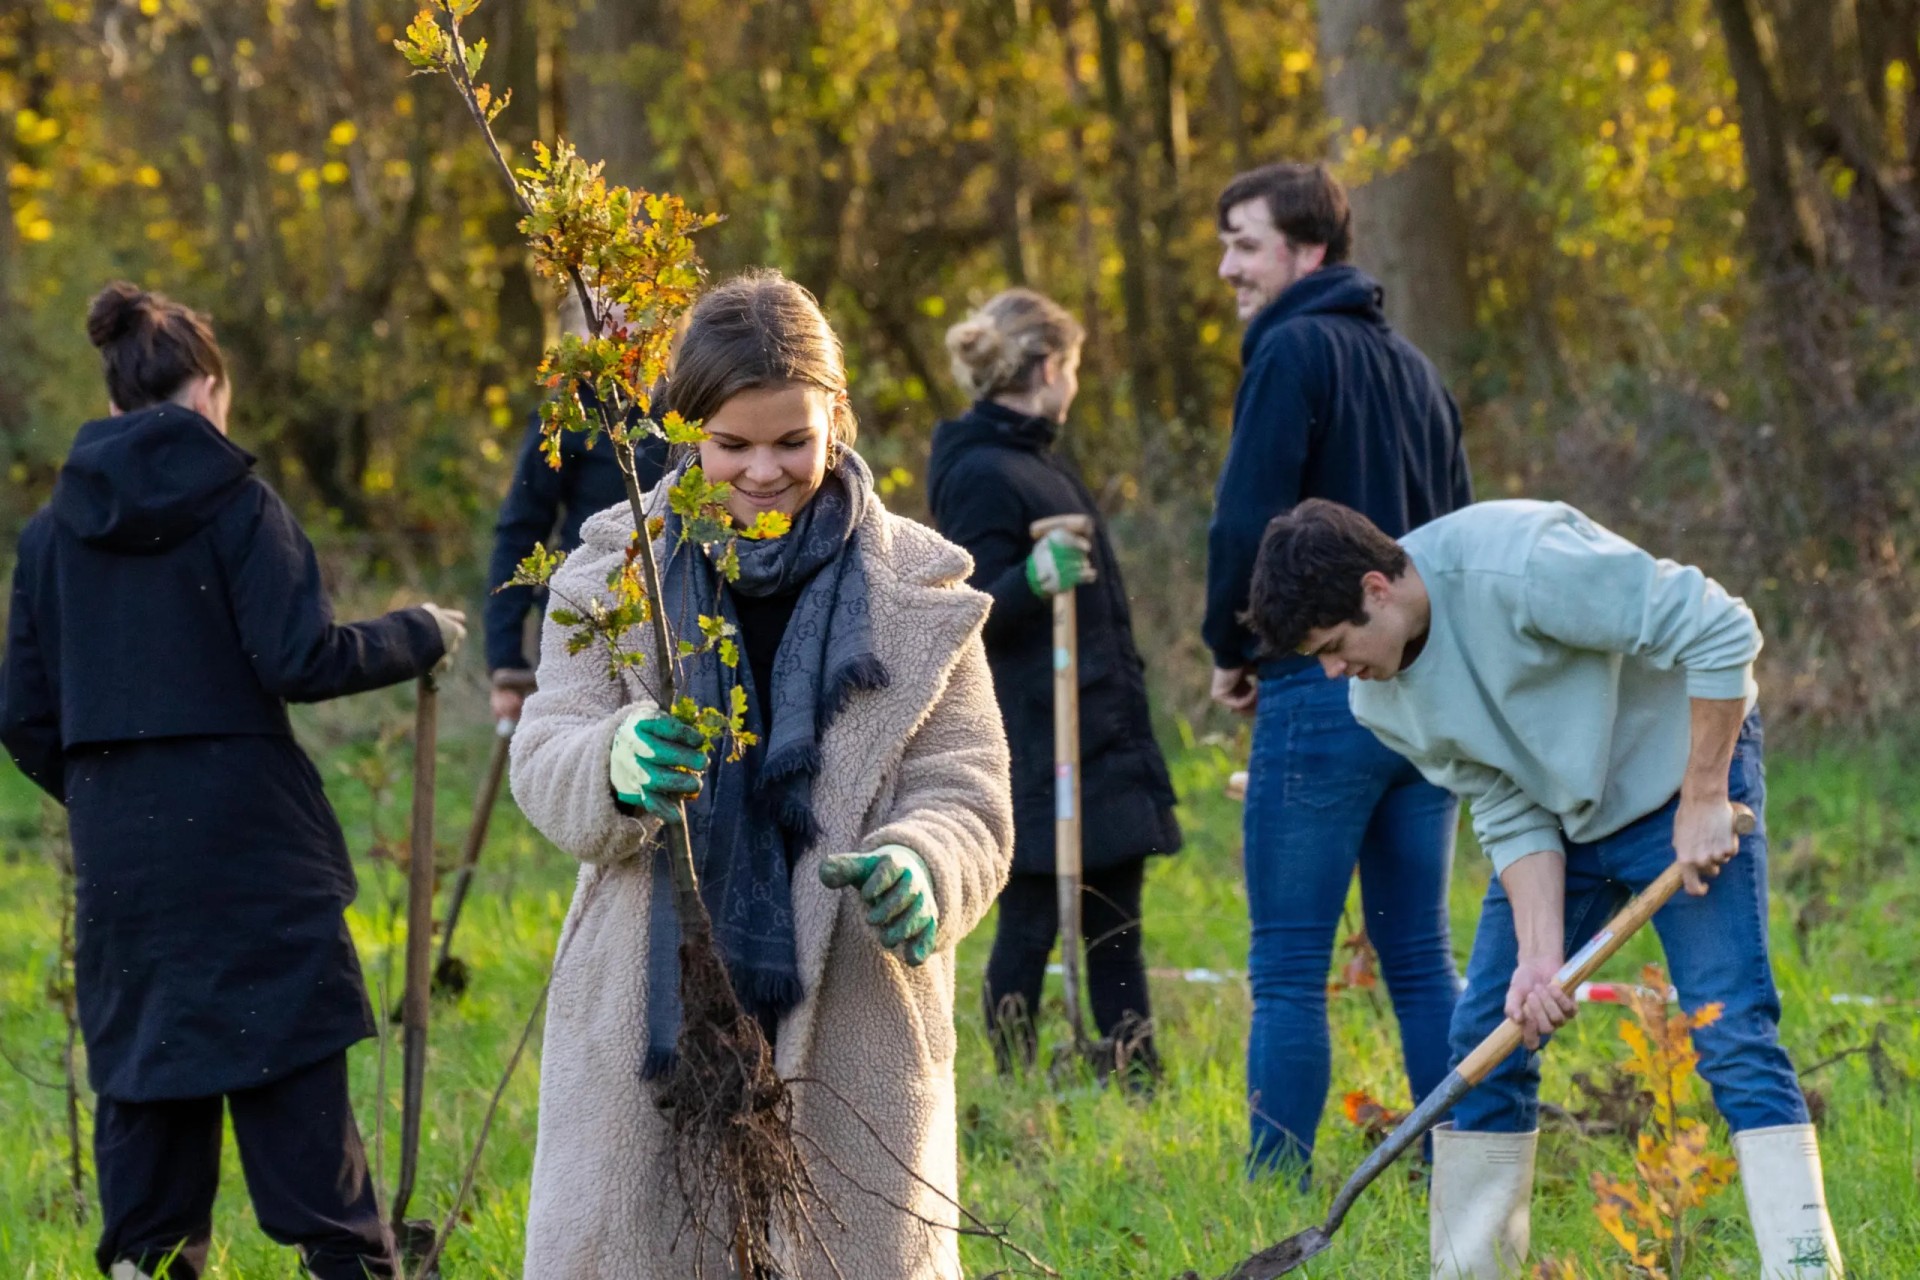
898 891
1060 562
656 761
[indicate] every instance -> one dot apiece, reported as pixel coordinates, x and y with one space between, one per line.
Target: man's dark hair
1307 576
1308 204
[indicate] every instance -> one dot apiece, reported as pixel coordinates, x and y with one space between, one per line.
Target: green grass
1097 1184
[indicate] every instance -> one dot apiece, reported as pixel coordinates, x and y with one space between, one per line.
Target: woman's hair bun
979 352
116 312
1001 347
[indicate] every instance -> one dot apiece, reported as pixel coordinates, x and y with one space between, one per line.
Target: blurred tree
1408 225
1688 258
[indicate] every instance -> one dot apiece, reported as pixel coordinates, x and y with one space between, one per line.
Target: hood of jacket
1342 289
146 481
989 423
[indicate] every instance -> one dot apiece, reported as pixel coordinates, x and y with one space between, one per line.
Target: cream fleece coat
922 763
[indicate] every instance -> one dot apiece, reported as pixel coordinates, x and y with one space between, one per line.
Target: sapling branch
628 258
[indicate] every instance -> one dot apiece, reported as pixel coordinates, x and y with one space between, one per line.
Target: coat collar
1341 289
987 421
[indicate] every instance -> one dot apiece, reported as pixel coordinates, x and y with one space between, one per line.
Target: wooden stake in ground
449 971
415 1239
1066 776
1491 1052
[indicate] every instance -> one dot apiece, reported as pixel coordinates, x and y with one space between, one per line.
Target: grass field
1095 1183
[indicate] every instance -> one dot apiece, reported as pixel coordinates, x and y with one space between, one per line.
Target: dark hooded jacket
1332 404
993 473
166 607
548 506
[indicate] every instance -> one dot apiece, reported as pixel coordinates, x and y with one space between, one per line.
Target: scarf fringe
864 674
794 760
795 816
770 993
658 1063
766 995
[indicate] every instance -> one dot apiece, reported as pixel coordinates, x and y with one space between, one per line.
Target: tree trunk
1143 360
1782 228
1410 232
512 32
1174 299
1226 83
603 113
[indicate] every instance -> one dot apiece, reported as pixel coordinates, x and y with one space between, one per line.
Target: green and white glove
1060 562
898 891
656 761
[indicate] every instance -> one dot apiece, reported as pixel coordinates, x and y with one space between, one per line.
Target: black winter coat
993 472
166 607
1332 404
548 506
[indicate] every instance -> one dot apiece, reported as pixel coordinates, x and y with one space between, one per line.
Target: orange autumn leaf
1369 1115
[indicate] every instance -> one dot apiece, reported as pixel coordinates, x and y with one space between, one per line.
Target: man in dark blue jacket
1332 404
544 505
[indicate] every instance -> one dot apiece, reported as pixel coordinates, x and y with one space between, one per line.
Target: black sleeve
286 622
527 516
1273 423
984 518
1462 475
29 708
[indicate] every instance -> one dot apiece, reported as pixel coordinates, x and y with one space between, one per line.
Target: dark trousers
159 1169
1116 970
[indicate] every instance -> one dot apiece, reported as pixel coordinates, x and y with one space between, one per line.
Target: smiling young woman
880 767
771 444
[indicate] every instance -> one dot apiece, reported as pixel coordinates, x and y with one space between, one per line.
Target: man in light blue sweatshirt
1595 706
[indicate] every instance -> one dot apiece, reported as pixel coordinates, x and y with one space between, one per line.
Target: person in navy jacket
1332 404
547 506
992 473
166 608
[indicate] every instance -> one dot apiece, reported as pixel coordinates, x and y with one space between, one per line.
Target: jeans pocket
1326 758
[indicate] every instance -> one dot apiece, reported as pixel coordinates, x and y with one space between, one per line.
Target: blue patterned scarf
754 818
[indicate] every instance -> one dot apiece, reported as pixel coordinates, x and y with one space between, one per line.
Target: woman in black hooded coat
166 607
993 473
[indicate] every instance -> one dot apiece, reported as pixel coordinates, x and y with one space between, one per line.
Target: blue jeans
1716 949
1322 795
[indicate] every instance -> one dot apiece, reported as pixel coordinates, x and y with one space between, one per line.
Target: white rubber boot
1787 1202
1479 1203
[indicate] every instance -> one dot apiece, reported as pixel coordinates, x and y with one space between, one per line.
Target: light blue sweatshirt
1552 694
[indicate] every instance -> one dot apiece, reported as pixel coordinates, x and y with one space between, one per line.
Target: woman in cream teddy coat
920 763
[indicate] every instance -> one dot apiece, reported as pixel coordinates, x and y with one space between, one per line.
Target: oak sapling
629 258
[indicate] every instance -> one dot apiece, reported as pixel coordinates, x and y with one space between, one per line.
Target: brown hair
1308 204
758 330
1307 575
150 345
1001 346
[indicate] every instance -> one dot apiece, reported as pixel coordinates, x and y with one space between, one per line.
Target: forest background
1668 270
1666 252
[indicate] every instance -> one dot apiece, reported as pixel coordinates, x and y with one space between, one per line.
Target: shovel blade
1285 1256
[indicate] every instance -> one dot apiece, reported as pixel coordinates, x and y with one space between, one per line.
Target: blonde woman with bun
992 474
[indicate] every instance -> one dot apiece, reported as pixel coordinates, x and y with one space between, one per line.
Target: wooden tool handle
1492 1051
1074 522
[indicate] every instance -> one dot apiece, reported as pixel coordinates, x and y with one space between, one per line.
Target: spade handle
1599 949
